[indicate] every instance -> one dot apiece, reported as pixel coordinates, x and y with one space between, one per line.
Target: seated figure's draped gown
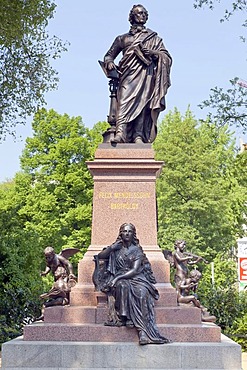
135 296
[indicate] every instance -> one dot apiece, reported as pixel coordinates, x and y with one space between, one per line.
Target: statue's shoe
117 139
138 140
143 339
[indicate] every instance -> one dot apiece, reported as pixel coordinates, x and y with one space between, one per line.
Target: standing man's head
138 15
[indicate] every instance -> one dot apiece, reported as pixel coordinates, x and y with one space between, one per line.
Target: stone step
83 315
18 354
85 295
41 331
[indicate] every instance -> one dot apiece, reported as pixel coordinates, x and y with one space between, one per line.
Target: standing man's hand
110 66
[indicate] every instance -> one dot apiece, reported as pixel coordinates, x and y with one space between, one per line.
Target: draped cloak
134 296
143 82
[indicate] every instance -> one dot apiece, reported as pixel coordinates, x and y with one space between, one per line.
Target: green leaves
200 197
239 329
239 5
48 203
60 196
56 187
25 50
230 106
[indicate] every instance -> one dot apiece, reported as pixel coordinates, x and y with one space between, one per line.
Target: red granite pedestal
124 191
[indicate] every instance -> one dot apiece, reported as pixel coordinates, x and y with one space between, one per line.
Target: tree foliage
200 197
219 293
48 203
26 50
239 5
239 327
229 106
19 285
58 205
224 301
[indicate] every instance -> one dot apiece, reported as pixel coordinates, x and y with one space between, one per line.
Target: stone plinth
51 355
91 315
124 191
100 333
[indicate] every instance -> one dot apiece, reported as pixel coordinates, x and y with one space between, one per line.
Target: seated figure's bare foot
114 323
40 318
206 317
129 324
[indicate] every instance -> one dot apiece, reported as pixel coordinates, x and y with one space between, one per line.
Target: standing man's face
140 15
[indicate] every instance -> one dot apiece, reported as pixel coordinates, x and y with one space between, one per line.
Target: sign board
242 247
242 263
242 268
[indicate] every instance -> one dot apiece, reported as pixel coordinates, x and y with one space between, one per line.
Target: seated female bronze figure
128 278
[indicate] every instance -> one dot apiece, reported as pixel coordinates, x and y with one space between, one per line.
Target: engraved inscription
124 206
123 199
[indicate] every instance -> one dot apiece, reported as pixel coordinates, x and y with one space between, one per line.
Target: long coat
143 82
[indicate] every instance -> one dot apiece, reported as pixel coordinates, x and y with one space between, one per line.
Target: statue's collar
135 28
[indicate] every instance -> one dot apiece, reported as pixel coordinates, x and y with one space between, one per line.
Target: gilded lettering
105 195
129 195
124 206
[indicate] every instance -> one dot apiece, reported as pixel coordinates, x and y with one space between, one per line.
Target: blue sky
206 53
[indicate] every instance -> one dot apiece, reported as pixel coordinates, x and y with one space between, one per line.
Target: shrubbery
17 308
224 300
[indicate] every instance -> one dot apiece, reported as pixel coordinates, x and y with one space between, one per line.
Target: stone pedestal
124 191
52 355
74 337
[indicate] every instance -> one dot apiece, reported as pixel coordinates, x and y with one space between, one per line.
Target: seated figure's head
195 275
128 228
60 272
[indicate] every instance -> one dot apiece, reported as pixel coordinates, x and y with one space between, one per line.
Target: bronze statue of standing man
144 78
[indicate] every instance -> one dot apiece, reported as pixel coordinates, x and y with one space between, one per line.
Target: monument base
74 337
33 355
